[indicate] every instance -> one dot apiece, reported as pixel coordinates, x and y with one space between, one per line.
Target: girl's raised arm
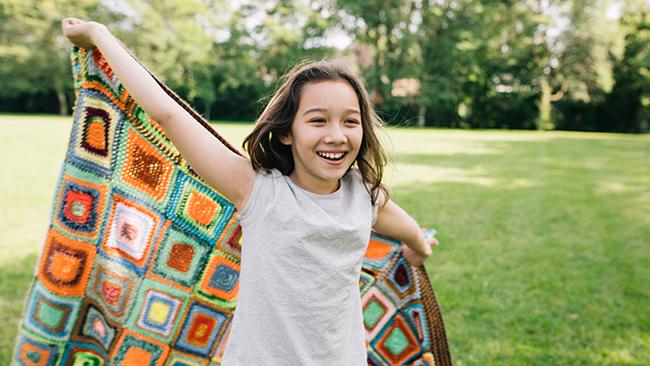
229 173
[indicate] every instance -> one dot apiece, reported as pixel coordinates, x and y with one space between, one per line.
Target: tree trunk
544 120
544 104
63 101
421 116
208 108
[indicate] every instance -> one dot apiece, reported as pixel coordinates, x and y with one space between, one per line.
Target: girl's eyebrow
325 110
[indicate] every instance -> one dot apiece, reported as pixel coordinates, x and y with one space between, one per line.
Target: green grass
544 236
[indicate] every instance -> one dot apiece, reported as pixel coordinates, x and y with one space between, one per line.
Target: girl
307 200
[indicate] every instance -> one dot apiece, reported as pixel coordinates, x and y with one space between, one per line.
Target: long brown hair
267 151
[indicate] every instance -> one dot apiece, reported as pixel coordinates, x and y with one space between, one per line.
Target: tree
34 59
579 65
386 26
628 104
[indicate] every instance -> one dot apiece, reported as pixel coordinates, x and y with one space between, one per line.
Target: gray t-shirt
299 301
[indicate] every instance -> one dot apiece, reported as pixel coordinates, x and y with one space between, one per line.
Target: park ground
544 235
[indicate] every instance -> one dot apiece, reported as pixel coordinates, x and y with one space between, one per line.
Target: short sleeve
367 187
252 208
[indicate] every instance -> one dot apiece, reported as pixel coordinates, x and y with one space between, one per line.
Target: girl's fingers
68 22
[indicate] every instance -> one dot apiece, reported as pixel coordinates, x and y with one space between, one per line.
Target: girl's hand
414 258
80 32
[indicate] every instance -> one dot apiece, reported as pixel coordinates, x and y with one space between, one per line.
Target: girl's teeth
331 155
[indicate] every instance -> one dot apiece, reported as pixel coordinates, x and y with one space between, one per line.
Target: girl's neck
314 186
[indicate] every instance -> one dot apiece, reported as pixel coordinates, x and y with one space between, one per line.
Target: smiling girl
307 198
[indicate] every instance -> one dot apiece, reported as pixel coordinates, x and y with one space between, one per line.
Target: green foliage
626 108
384 26
631 92
569 64
33 54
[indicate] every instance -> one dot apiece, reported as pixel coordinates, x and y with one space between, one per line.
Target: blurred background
517 129
535 64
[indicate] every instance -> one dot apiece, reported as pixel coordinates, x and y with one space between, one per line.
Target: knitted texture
140 265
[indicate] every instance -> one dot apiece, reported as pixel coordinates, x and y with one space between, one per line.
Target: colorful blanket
140 265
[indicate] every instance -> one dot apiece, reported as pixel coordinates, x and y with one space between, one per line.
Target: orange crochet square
96 131
202 209
136 356
65 265
378 249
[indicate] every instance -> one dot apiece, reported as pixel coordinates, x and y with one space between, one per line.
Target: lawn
544 256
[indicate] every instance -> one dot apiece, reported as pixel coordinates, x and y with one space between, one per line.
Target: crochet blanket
140 265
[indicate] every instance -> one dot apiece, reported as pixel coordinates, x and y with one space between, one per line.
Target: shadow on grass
15 279
575 151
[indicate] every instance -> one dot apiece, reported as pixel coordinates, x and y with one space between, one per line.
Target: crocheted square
159 312
80 204
92 139
203 327
132 228
94 327
398 282
135 349
144 171
396 344
231 239
83 354
197 209
377 310
113 287
31 351
49 315
179 257
65 264
220 281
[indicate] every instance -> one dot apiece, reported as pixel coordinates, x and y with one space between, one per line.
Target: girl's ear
287 139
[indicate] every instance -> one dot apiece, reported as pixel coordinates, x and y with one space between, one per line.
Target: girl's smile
325 135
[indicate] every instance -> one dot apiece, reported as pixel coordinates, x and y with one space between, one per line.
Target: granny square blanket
140 265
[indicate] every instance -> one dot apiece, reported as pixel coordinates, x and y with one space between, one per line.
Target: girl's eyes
349 121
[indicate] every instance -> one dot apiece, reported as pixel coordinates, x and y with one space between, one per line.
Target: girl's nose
335 134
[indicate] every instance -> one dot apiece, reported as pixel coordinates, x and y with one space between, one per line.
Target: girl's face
325 135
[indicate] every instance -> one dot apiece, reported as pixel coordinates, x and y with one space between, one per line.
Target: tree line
533 64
